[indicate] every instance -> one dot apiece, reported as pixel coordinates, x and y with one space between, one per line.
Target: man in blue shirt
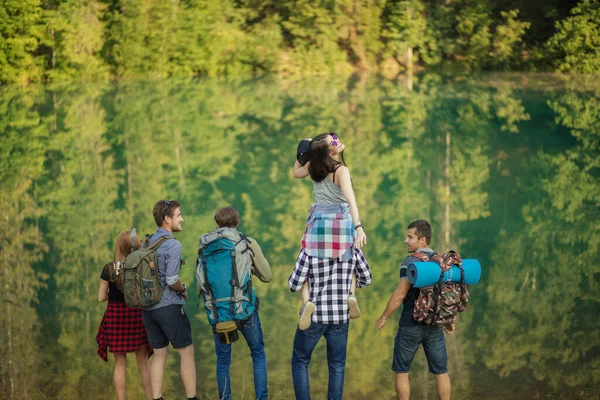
411 333
167 321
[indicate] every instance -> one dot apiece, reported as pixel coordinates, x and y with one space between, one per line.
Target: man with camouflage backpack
227 259
412 333
166 321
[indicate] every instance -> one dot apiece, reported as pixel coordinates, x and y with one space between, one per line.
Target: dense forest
54 40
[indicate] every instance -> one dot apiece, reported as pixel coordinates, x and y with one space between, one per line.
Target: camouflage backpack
440 303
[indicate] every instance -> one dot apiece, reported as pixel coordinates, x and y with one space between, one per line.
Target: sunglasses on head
335 138
165 207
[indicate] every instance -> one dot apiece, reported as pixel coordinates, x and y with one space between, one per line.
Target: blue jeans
336 336
252 331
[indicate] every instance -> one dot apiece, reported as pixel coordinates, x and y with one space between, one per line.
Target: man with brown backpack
411 332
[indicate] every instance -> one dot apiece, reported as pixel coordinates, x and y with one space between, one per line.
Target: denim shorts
407 343
168 324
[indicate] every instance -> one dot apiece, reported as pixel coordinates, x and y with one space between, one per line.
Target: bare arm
180 288
394 302
103 291
300 171
343 177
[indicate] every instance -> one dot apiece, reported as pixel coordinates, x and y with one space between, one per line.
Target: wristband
358 226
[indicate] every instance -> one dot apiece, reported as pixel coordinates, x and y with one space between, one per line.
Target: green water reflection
506 168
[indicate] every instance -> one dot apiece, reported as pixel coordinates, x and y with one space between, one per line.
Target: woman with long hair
122 329
334 200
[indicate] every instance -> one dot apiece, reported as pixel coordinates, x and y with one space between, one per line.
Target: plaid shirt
329 231
330 280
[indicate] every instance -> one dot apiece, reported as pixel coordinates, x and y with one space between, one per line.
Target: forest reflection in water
506 167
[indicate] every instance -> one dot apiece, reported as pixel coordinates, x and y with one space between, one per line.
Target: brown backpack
439 304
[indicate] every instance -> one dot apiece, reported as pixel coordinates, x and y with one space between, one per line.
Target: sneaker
353 306
306 315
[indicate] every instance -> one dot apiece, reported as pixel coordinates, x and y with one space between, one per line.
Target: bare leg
305 292
402 386
308 307
120 375
157 370
352 302
444 388
141 356
188 370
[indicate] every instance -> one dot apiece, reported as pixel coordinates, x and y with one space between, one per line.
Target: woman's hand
361 238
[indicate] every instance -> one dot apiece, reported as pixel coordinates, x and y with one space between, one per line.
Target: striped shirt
330 280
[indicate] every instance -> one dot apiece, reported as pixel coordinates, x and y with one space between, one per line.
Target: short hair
422 228
164 208
227 216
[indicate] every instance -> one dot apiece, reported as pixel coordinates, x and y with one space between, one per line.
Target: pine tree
21 30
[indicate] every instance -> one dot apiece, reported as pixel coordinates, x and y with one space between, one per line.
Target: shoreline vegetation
91 40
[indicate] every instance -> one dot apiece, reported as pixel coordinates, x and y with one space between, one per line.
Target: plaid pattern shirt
329 234
330 280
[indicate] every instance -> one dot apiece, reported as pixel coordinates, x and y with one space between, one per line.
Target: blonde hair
123 245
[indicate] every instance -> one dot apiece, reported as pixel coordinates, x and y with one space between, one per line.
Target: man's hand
184 294
380 323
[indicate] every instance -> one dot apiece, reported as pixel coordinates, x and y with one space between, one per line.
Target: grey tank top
327 192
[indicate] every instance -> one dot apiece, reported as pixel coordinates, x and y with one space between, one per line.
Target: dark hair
227 216
164 208
422 228
321 162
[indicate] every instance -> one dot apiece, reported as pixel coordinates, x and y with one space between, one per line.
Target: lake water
506 167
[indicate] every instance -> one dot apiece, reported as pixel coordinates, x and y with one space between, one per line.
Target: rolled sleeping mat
422 274
302 151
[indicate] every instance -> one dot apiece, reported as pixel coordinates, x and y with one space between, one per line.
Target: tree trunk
447 213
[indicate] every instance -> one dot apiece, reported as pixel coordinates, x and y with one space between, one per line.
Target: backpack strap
146 243
334 171
209 291
160 241
235 282
248 285
422 256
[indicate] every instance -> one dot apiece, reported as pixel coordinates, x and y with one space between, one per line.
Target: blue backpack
224 275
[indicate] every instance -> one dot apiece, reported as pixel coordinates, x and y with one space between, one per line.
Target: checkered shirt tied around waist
329 231
121 330
330 281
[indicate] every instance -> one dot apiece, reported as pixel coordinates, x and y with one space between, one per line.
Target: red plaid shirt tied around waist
329 231
122 330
